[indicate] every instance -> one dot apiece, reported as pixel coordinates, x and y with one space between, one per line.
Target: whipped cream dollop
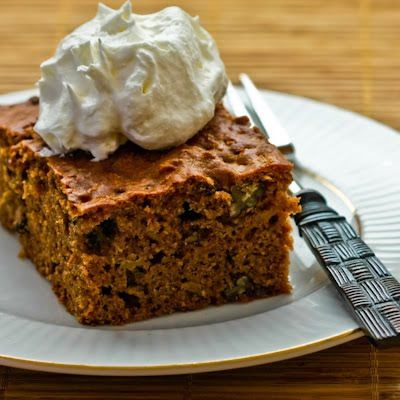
153 79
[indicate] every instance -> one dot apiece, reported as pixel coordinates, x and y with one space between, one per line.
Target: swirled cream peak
153 79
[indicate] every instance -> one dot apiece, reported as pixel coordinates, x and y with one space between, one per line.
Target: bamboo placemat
344 52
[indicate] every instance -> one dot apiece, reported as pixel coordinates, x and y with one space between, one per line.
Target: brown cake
148 233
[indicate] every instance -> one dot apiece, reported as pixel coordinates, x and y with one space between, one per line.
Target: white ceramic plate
356 164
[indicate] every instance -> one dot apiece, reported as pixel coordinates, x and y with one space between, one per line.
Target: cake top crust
226 151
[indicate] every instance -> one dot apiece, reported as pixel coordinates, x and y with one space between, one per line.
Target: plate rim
201 366
184 368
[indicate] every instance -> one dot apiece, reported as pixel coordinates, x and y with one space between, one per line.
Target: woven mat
344 52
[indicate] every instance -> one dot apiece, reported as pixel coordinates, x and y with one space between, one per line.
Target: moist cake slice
148 233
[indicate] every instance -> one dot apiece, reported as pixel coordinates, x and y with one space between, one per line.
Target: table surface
343 52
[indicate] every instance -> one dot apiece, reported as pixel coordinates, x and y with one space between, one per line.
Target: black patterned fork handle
369 289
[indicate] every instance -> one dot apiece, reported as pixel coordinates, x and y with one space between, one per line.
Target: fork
370 291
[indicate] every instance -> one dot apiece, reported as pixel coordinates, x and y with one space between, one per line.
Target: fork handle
369 289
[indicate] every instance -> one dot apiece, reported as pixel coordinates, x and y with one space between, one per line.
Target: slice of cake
148 233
